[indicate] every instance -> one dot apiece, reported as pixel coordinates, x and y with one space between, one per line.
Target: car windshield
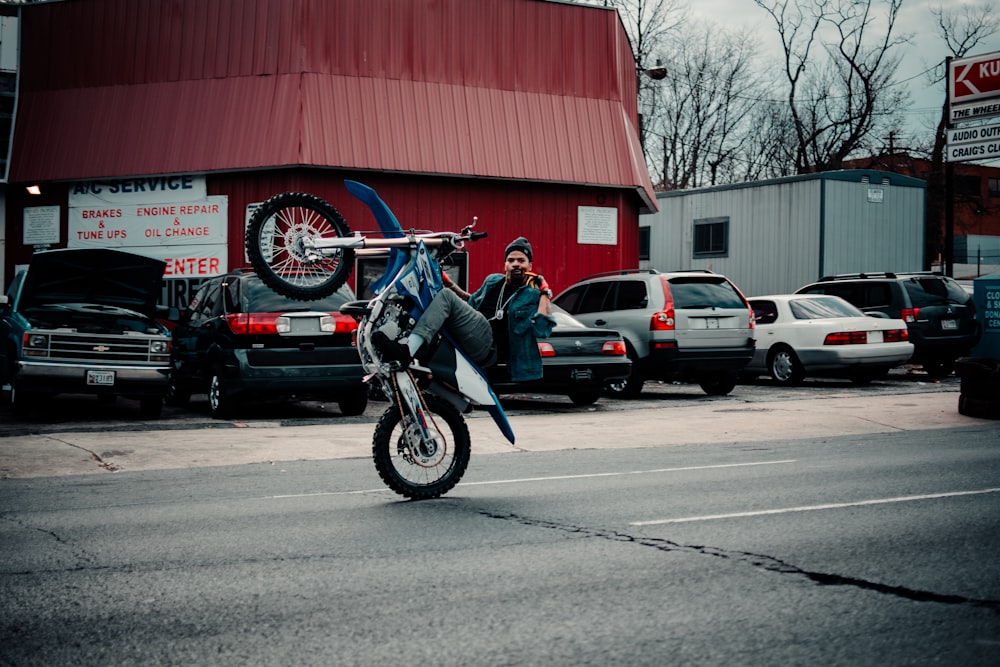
259 298
704 292
822 308
936 291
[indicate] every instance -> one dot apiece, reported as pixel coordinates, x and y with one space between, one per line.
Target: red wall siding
545 214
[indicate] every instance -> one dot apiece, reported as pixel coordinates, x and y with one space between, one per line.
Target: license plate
874 336
711 322
949 325
581 374
100 378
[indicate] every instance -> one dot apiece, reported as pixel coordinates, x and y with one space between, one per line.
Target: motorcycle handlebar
475 236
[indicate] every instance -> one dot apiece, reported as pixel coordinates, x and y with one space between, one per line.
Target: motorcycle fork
413 412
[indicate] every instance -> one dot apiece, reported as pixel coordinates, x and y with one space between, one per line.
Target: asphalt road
873 546
857 550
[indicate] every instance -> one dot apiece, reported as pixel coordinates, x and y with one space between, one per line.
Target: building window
644 243
994 187
711 237
967 186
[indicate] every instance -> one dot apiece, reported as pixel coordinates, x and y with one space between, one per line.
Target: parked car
577 361
240 341
820 335
82 321
938 312
693 326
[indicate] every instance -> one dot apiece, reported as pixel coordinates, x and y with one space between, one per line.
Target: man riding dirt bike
303 248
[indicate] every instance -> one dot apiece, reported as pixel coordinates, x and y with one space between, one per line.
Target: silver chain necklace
501 307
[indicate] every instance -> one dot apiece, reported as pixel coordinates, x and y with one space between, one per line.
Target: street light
655 73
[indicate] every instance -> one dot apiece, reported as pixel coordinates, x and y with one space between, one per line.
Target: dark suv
240 340
693 326
937 310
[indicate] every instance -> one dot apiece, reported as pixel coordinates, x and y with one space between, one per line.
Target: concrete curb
268 443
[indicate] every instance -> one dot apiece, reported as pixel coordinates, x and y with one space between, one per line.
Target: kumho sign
974 78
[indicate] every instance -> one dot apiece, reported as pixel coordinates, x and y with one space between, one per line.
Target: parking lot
82 413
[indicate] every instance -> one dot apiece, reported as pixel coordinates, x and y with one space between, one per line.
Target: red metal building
520 112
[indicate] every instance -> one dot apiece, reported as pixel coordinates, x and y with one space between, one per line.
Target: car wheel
631 386
784 366
354 403
585 396
720 385
220 399
150 407
939 368
178 393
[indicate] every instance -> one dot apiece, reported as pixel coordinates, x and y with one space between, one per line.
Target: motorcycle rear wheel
274 245
420 475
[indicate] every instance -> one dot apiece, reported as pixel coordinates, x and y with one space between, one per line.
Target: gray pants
469 328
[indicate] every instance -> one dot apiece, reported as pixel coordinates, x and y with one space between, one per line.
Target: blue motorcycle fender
456 371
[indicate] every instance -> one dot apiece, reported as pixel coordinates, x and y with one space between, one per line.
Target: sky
925 50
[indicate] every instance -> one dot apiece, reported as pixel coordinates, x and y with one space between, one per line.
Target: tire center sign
171 218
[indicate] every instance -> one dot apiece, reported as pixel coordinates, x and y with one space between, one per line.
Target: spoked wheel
278 246
418 468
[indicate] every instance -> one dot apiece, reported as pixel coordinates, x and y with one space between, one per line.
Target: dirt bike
302 248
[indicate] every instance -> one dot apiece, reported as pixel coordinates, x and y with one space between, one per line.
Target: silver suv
693 326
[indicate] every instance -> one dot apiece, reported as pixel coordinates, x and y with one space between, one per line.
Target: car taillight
345 323
895 335
615 348
909 315
546 349
846 338
246 324
664 320
258 324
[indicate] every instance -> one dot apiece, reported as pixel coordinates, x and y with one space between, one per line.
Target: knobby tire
409 479
274 246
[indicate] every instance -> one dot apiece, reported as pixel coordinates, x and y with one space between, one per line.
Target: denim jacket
525 325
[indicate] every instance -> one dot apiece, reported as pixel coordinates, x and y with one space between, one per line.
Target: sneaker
390 350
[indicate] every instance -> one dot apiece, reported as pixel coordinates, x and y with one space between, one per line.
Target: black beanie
520 243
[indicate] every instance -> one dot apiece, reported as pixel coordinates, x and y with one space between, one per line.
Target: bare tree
706 106
838 63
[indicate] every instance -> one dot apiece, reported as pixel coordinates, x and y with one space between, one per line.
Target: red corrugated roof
512 89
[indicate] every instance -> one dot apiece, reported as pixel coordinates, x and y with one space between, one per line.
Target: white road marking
812 508
553 478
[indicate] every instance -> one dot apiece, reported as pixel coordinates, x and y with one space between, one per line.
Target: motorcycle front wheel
421 468
276 245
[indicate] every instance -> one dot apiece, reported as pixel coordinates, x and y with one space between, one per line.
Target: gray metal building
771 237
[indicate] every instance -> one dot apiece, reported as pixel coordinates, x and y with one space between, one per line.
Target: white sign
961 114
596 225
138 190
969 135
41 225
876 195
190 236
983 150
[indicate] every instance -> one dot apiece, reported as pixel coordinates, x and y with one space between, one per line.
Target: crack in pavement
763 561
111 467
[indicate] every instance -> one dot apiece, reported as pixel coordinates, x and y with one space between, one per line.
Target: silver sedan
819 335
